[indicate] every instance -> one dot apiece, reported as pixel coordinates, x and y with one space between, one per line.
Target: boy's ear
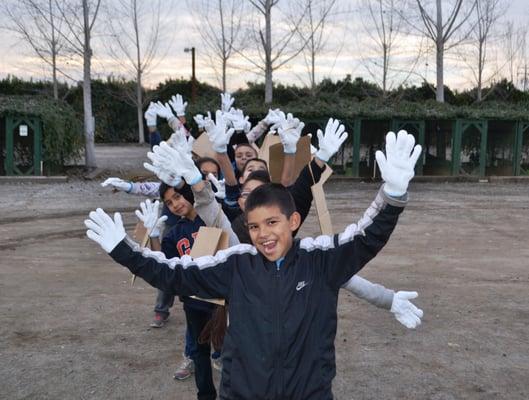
294 221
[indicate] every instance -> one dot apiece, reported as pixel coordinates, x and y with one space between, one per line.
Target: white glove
405 311
226 101
149 216
238 120
180 141
217 134
220 186
163 110
330 143
177 163
105 231
178 105
201 121
289 133
396 167
150 115
274 118
119 184
168 177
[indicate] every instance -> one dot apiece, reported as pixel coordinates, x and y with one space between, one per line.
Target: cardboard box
277 157
207 242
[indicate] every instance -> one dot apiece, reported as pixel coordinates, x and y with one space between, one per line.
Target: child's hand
165 158
405 311
331 141
180 141
396 167
274 118
163 110
118 184
217 133
178 105
149 216
150 115
226 101
201 121
220 186
289 133
105 231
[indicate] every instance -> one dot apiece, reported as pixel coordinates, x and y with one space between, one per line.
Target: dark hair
254 159
203 160
258 175
185 191
271 194
246 145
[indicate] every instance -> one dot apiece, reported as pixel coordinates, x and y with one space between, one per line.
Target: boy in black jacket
282 292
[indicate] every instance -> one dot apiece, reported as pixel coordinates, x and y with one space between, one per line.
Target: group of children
280 292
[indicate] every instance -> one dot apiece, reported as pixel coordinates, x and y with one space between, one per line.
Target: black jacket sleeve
207 277
347 253
300 190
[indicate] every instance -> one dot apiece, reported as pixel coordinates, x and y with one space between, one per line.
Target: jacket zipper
279 364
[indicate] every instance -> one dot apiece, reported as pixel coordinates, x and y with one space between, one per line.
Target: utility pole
193 77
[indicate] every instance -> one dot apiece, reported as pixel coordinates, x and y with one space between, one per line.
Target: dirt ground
72 327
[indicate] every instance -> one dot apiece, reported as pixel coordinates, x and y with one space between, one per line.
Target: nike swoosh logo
301 285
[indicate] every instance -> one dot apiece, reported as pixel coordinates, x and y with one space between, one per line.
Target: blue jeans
196 320
164 302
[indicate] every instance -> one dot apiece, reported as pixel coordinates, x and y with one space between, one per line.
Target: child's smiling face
271 230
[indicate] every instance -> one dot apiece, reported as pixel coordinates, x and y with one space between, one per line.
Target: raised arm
345 254
206 277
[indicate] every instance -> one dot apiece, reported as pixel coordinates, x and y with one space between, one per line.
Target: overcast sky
348 52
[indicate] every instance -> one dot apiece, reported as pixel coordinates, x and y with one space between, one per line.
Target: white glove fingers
93 226
390 143
94 216
214 181
381 161
407 295
95 237
416 154
342 138
107 221
118 221
229 133
402 143
319 134
139 215
151 168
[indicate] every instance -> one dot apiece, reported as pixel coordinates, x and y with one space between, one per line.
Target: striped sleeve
344 254
208 277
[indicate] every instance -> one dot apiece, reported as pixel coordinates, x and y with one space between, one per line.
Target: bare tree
442 31
220 25
135 32
35 22
487 13
79 17
312 32
273 54
514 48
384 24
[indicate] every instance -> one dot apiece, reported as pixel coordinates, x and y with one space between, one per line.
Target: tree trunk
224 67
89 125
139 107
269 86
481 63
139 96
53 53
439 92
440 45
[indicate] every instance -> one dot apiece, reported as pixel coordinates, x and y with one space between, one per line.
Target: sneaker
159 320
217 363
185 369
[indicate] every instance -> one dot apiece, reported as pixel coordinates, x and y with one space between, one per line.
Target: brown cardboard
202 147
277 157
324 217
140 235
207 242
264 151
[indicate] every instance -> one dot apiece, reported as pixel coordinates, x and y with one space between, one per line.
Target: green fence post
9 146
484 129
456 147
37 146
357 128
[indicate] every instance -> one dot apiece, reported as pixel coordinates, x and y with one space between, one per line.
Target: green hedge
62 129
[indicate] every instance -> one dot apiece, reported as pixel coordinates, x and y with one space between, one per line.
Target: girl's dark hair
254 159
268 195
185 191
258 175
203 160
246 145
